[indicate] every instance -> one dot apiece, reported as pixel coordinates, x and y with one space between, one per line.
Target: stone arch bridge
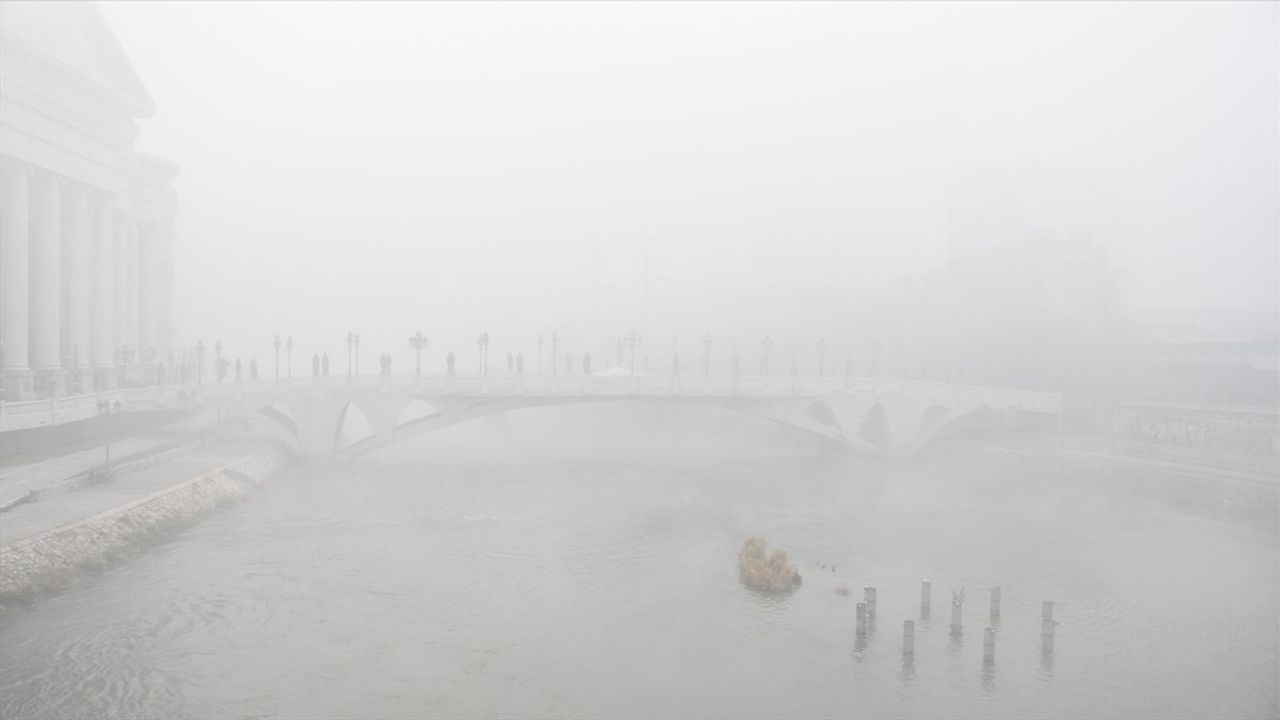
887 417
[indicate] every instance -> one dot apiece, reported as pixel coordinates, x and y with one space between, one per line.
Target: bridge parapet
894 417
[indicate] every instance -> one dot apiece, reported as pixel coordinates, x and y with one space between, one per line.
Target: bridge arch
352 427
283 415
874 428
795 414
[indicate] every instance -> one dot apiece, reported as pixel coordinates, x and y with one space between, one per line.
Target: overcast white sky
449 168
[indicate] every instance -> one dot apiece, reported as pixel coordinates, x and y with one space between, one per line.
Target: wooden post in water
988 646
862 619
995 603
1046 626
926 593
908 638
870 597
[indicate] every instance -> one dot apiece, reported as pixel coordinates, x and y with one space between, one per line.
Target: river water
581 562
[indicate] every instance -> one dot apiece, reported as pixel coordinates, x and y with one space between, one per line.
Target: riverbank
1223 488
45 545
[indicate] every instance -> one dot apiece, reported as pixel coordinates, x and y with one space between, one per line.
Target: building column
76 275
164 311
132 338
14 254
102 228
119 294
46 272
148 287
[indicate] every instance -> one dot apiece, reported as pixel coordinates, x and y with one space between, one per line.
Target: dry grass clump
767 573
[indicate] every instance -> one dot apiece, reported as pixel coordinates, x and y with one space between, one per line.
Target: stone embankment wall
50 561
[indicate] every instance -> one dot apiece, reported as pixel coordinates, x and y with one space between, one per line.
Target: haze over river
582 562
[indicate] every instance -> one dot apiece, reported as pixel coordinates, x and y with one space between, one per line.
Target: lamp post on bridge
289 348
822 347
419 343
149 355
350 347
276 344
200 362
706 359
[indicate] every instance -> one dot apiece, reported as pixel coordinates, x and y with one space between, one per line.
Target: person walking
511 364
239 367
586 364
449 361
253 368
315 364
324 364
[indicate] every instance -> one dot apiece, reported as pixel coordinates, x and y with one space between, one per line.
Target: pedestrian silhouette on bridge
520 364
315 364
253 368
586 364
239 367
511 363
449 360
324 364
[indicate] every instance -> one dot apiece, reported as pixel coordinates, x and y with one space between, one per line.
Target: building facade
86 221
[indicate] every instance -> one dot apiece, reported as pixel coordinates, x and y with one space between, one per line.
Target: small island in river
765 572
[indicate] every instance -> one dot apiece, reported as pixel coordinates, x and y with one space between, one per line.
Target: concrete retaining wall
48 562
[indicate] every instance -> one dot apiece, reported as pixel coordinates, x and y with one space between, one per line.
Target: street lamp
200 362
768 345
350 347
104 410
418 343
149 356
706 361
276 344
289 346
822 346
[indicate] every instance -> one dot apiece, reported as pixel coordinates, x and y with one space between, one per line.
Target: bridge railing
70 408
629 385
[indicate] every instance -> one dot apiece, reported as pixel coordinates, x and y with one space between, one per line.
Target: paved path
18 480
73 506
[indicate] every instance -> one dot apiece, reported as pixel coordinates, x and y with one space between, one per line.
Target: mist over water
581 562
441 359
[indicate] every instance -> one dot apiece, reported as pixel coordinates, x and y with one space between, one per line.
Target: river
581 562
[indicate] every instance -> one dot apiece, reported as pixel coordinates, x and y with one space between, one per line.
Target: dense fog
637 359
743 170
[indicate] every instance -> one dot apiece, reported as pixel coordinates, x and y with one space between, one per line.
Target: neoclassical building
86 221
